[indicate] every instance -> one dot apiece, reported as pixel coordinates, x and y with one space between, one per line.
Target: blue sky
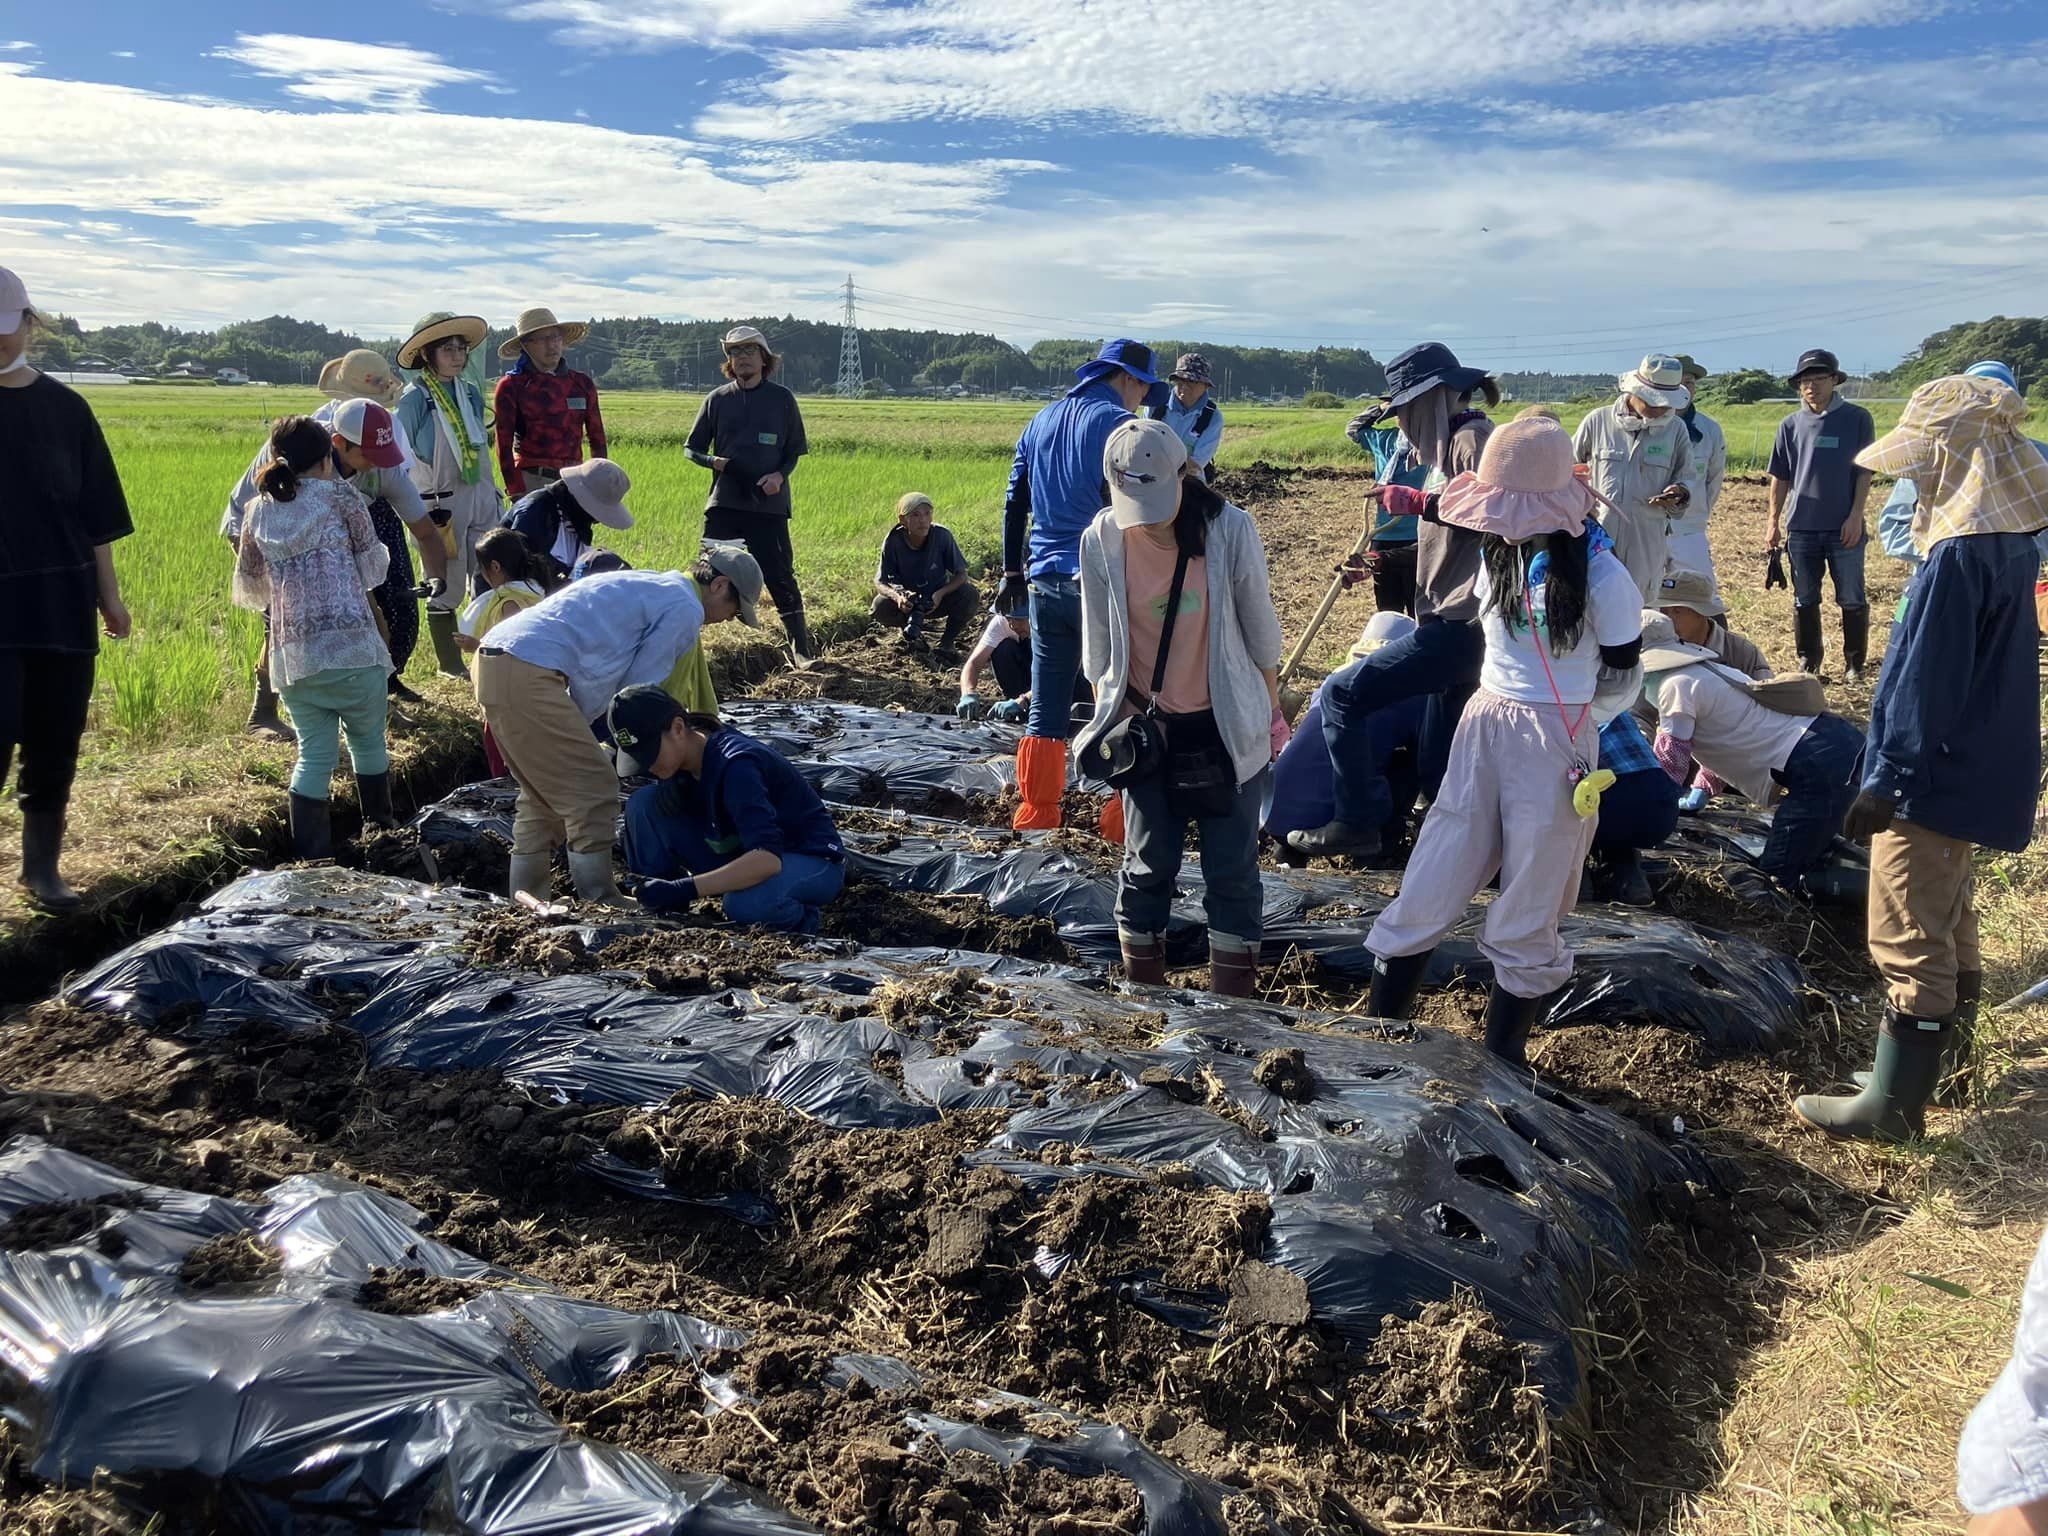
1542 183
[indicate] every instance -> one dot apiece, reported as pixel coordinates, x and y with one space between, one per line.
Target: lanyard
1571 729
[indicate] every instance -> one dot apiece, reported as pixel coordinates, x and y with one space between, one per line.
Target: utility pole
850 381
1315 378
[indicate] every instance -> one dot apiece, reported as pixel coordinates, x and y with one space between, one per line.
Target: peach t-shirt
1148 578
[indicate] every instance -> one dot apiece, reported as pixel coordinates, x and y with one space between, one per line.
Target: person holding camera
1179 637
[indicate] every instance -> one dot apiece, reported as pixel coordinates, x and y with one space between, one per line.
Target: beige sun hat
600 488
439 326
540 318
1961 441
361 375
1659 379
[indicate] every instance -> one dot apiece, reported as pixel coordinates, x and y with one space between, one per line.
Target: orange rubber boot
1041 780
1111 822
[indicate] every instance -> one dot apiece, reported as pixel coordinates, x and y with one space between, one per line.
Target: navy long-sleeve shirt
1955 729
746 797
1056 484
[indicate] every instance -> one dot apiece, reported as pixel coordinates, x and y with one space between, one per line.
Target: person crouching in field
509 576
1553 611
1177 625
59 517
724 574
1954 759
310 558
923 576
561 517
727 816
547 673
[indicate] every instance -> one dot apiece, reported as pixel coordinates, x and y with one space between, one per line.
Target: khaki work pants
568 788
1922 917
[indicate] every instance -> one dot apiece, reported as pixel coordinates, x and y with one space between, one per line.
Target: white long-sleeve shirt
614 630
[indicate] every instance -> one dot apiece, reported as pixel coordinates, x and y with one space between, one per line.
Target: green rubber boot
1893 1106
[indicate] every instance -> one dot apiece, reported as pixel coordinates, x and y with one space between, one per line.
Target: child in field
505 567
922 574
310 558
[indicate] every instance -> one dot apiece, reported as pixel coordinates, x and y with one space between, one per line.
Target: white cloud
123 53
348 73
652 24
17 46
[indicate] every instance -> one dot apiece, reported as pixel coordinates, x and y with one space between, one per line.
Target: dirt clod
1285 1071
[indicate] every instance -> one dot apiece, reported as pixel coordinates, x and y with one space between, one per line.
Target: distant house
94 365
186 371
230 376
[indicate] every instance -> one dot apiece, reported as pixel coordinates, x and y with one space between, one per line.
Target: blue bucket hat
1421 368
1134 357
1994 370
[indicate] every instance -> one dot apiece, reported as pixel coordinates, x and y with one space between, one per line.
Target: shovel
1292 701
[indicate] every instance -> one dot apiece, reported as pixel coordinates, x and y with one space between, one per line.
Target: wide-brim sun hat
1423 367
1526 485
1658 379
1142 464
439 326
1690 589
1133 357
540 318
1381 631
744 336
600 487
1961 440
361 375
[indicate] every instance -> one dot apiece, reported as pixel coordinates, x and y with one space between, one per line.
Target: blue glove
1694 799
969 706
668 895
1007 709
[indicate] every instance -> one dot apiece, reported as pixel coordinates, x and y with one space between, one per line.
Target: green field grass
183 675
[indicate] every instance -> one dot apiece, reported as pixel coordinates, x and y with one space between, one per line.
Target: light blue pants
324 705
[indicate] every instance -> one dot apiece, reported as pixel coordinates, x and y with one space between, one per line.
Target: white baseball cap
14 304
1142 464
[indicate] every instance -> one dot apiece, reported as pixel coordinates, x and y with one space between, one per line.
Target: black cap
639 717
1818 360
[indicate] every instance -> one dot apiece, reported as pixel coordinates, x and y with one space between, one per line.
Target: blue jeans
1154 840
1303 778
323 705
1639 810
788 899
1055 654
1812 550
1440 658
1820 778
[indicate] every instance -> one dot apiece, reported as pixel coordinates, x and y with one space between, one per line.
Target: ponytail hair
297 444
507 549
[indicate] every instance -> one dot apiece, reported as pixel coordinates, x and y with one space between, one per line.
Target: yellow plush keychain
1586 793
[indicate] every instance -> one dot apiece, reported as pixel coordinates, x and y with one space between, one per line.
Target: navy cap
639 717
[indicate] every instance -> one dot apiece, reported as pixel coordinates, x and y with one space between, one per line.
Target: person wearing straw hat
1519 796
59 519
1430 394
749 433
1954 760
352 382
543 408
1687 546
441 417
1640 459
1304 780
1814 468
562 516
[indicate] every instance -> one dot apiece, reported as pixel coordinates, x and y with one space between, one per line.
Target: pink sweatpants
1505 805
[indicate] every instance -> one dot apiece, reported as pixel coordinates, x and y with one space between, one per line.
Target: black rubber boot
264 719
1508 1021
397 689
42 840
1144 958
1855 642
799 632
1336 837
1395 984
312 828
1806 639
441 624
1621 879
373 795
1902 1079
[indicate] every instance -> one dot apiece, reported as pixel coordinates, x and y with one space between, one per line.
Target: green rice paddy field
182 676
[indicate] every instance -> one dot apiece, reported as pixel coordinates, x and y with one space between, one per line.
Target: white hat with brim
540 319
600 487
1382 630
1658 379
744 336
439 327
361 375
1142 463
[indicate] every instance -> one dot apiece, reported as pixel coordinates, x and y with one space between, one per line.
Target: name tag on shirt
576 403
766 439
1827 442
1657 451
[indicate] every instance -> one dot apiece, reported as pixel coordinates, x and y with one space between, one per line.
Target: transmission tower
850 381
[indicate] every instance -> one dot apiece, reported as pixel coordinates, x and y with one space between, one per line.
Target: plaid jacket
541 421
1623 749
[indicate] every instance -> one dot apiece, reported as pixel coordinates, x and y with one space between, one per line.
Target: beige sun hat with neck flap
361 375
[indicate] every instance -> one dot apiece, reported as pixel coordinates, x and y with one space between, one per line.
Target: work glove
1694 800
1008 710
1403 501
1868 816
1280 732
668 895
1675 753
921 603
1356 570
969 706
431 588
1774 570
1014 595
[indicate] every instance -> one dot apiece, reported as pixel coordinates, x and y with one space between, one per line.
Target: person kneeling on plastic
726 816
1520 794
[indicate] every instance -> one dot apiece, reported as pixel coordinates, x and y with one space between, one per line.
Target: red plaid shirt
541 421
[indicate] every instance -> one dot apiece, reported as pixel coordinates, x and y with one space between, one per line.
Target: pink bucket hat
1525 487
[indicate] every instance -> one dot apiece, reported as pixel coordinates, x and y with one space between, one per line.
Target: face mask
20 362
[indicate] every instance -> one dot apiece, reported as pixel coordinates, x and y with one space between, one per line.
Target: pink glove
1675 753
1403 501
1282 732
1712 782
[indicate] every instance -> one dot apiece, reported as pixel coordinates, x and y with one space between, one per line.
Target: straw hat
1525 486
1960 440
539 318
361 375
439 326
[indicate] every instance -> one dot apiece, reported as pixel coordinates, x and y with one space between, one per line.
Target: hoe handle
1315 625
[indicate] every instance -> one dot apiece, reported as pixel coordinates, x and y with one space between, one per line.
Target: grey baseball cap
744 572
